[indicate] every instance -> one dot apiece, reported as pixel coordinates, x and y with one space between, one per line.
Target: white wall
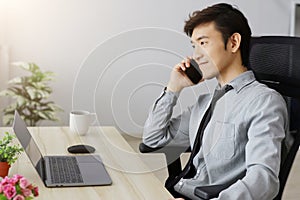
68 37
295 27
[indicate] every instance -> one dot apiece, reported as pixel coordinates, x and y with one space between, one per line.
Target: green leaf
6 93
31 92
3 197
23 65
11 108
16 91
15 80
43 115
21 101
49 74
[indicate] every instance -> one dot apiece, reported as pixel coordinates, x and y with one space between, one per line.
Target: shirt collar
241 81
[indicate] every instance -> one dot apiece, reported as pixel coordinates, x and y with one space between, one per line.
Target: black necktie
189 170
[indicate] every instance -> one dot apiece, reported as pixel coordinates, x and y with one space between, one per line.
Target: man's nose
197 55
198 52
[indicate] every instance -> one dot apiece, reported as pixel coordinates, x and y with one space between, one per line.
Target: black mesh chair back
275 61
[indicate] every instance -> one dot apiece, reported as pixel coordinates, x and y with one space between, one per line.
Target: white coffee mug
80 121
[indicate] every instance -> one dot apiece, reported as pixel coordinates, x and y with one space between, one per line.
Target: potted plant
30 94
8 153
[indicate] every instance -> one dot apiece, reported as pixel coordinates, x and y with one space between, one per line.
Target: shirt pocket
222 145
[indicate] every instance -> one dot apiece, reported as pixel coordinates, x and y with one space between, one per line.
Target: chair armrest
168 149
146 149
213 191
209 192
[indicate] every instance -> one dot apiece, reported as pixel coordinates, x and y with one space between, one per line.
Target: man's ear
235 42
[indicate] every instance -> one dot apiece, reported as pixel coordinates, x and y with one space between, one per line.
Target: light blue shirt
245 132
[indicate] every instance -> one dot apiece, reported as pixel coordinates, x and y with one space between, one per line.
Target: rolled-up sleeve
160 128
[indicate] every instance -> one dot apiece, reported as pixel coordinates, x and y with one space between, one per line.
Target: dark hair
228 20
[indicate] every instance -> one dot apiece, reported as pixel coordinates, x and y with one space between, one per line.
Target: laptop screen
28 144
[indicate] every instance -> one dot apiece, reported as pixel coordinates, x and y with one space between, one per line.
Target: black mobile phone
193 72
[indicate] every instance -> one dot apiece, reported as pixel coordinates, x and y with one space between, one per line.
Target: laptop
61 171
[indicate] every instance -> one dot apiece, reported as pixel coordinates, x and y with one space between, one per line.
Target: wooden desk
131 178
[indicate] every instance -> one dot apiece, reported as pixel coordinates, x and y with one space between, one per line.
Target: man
247 125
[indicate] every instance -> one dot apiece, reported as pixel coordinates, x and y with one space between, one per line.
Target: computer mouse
81 148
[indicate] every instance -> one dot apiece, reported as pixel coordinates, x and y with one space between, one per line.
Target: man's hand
178 78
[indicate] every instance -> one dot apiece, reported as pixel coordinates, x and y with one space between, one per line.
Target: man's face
209 50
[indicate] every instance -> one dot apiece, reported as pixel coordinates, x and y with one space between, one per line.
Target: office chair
275 61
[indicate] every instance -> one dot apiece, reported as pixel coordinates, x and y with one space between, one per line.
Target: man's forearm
157 124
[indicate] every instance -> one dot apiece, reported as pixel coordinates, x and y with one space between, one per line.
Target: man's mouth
203 63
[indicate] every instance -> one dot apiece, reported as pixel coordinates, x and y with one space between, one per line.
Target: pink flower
15 179
19 197
5 181
35 191
11 181
26 192
24 183
9 187
9 191
17 176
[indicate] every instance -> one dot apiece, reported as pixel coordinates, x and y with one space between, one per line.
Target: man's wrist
173 89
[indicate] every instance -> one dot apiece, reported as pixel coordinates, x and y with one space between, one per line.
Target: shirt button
180 183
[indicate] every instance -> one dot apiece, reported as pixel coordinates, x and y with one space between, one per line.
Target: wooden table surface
131 177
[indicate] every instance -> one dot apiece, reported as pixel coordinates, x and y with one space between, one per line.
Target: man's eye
203 43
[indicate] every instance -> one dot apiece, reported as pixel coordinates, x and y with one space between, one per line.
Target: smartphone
193 72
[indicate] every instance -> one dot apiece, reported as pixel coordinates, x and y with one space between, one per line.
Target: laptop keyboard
65 170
